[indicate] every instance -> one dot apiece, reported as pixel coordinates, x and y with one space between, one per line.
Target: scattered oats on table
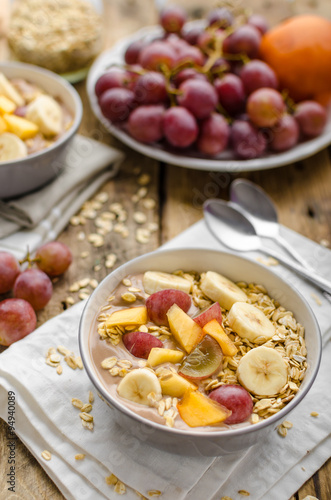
46 455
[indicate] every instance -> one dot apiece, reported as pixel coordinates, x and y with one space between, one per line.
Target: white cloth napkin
38 217
46 419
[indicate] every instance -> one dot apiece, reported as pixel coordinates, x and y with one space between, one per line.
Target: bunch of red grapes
204 87
31 288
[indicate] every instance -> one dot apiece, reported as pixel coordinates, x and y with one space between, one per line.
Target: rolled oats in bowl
193 350
63 36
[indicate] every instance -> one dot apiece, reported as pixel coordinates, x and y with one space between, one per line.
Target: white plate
223 162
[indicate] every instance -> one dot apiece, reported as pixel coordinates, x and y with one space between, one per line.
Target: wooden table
302 193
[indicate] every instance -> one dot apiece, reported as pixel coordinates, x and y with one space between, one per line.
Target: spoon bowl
232 228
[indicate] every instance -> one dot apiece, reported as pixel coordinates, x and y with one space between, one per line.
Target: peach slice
128 317
158 355
198 410
185 330
214 329
174 385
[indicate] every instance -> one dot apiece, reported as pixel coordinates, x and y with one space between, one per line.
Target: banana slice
45 112
220 289
8 90
155 281
137 384
262 371
12 147
250 323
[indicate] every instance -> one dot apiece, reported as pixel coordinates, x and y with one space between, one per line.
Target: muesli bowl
41 162
212 440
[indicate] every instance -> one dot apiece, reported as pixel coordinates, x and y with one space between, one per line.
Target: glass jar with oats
63 36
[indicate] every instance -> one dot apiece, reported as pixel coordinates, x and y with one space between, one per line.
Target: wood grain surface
301 191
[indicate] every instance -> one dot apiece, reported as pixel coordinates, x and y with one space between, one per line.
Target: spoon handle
292 251
320 282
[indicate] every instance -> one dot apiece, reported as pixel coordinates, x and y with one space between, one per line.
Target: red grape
311 118
192 34
221 16
256 74
206 41
116 104
53 258
231 93
17 319
199 97
140 344
159 303
156 55
180 127
132 52
112 79
236 399
245 40
9 270
187 74
212 312
265 107
145 123
259 22
35 287
190 55
247 141
150 88
220 66
214 135
285 134
173 18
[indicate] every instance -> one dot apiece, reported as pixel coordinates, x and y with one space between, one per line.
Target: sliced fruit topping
154 281
138 384
45 112
203 361
215 330
127 317
250 323
6 105
222 290
140 344
12 147
8 90
158 355
172 384
197 410
236 399
184 329
159 303
212 312
262 371
24 129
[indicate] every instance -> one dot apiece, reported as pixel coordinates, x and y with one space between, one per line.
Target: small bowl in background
18 177
187 442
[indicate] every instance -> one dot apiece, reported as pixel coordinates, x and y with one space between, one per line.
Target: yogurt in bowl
168 373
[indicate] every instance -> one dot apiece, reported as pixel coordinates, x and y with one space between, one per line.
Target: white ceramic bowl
21 176
211 443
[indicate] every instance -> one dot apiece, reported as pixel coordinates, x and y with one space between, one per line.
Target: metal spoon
234 230
262 212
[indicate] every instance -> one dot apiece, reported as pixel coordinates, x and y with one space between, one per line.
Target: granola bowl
34 141
179 418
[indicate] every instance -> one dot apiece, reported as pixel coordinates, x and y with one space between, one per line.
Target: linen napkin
34 218
46 419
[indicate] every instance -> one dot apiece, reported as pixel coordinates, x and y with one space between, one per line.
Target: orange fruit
299 51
